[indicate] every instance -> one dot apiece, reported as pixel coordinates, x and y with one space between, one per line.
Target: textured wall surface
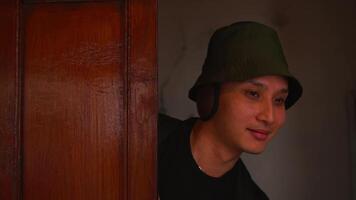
310 158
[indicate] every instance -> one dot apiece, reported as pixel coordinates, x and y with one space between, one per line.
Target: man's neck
210 153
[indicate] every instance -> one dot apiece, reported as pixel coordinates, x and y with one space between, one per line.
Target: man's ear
207 101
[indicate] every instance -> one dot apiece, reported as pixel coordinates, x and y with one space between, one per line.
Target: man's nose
266 113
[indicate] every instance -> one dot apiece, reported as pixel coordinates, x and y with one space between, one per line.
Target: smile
260 135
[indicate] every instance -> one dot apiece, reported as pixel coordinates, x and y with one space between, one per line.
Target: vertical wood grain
74 124
79 140
56 1
10 166
143 102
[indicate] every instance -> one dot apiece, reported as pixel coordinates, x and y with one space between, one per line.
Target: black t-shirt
180 176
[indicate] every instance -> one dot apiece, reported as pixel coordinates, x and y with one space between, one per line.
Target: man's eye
280 101
252 94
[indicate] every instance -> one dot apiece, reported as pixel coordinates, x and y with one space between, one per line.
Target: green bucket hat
242 51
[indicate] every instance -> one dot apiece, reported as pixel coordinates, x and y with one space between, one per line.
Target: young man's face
251 112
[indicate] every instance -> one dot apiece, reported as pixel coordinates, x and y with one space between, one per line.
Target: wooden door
78 99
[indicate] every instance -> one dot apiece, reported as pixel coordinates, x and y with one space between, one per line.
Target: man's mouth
259 134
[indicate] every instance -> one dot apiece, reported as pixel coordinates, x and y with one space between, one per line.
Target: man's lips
259 134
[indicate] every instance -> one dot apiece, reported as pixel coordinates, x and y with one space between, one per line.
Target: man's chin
255 151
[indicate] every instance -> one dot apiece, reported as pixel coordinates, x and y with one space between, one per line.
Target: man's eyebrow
284 90
256 83
263 86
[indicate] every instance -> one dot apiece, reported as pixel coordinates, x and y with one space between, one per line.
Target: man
242 95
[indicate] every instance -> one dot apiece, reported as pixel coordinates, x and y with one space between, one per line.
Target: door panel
69 1
10 172
74 121
78 99
143 102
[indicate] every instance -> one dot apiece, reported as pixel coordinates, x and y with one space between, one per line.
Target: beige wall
310 158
